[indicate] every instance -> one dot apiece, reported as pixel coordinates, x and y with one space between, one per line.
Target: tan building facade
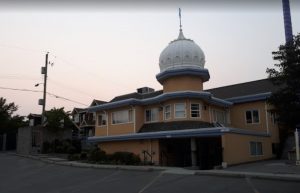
184 125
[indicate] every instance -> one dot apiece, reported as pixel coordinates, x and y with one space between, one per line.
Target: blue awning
202 132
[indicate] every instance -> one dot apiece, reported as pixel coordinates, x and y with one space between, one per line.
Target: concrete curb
88 165
267 176
168 170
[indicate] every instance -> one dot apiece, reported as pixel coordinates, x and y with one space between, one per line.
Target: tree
8 121
57 120
286 76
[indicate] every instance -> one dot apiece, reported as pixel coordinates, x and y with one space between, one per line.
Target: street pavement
53 175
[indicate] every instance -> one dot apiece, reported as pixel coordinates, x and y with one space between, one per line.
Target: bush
73 157
47 148
97 155
62 146
126 158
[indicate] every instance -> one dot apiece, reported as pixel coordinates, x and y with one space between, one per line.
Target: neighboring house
184 125
30 139
34 119
86 120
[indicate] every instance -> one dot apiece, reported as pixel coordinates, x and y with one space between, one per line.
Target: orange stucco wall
238 118
135 146
181 83
236 148
114 129
139 116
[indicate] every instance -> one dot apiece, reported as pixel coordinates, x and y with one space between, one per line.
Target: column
194 152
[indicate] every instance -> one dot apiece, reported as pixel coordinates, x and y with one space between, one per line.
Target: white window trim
262 149
151 120
124 122
252 116
165 112
200 107
175 111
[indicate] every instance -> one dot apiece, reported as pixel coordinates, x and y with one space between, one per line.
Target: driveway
24 175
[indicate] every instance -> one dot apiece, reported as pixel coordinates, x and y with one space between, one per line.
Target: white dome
181 53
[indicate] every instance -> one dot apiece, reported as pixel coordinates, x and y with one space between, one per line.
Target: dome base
200 72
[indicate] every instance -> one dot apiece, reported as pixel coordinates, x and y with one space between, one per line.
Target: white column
193 152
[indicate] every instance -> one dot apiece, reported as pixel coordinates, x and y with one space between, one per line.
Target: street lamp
38 84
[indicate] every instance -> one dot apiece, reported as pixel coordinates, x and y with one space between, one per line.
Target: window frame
169 112
252 119
184 104
103 115
152 110
130 117
199 110
258 148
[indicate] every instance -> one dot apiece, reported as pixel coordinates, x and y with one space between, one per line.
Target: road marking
151 182
251 185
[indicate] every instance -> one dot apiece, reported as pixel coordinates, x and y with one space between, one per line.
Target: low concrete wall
24 140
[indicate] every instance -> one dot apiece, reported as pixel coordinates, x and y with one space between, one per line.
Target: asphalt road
22 175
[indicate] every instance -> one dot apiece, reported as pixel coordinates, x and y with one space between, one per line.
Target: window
252 116
75 117
195 110
180 110
102 119
256 148
151 115
124 116
273 118
167 112
220 116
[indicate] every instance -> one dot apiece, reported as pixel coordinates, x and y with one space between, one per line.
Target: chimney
145 90
287 21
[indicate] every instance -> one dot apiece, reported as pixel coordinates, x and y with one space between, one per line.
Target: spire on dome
180 36
180 26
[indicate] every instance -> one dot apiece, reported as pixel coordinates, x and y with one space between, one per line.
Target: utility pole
43 101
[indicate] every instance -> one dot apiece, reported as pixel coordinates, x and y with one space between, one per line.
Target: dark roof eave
160 98
202 132
250 98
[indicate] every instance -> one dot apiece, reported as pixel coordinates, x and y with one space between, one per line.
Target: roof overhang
201 72
202 132
250 98
206 96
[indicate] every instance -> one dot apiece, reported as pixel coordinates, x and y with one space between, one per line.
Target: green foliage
8 121
126 158
286 75
62 146
74 157
97 155
57 120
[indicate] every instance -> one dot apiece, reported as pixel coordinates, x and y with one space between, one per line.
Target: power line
50 94
17 77
19 89
62 85
56 96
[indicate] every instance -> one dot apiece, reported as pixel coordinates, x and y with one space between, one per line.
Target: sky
102 50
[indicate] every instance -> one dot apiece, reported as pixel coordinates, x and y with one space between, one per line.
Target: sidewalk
270 170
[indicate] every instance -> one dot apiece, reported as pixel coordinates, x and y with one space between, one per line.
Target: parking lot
19 174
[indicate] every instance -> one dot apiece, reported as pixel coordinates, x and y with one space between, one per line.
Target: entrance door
209 152
175 152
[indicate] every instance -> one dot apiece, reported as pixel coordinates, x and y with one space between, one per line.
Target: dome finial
181 36
180 26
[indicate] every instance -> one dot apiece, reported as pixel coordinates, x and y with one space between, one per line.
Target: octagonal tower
182 66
